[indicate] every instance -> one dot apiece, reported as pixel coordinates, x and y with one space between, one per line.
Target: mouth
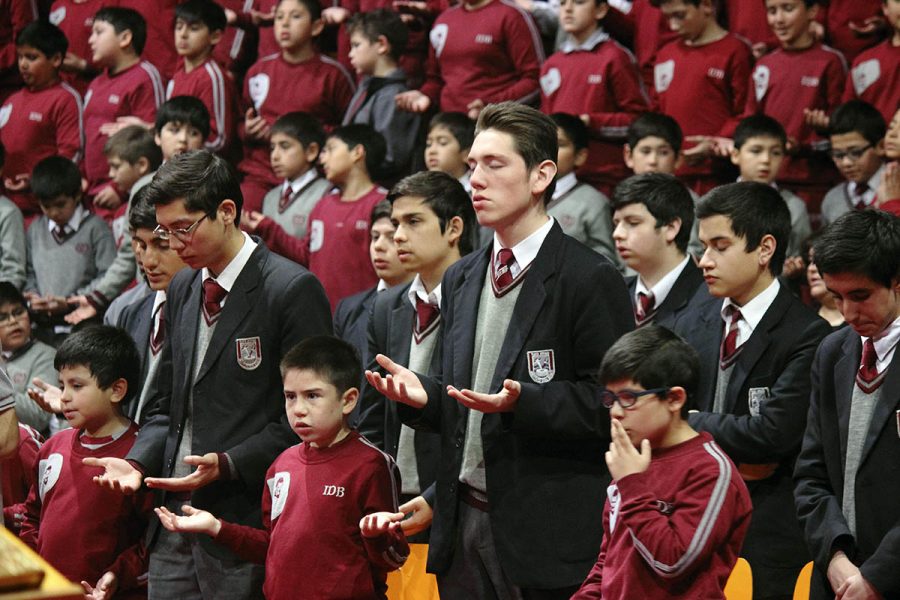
709 279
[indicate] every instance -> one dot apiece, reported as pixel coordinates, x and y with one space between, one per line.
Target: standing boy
450 136
874 76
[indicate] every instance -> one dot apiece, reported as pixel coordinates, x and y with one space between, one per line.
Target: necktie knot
503 279
729 350
861 190
868 378
427 315
644 312
285 199
213 295
59 233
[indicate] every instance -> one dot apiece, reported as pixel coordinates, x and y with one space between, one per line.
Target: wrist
216 528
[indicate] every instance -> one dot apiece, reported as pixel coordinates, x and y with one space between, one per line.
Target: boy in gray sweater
12 239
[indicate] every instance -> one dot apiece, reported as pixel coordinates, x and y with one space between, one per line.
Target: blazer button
452 487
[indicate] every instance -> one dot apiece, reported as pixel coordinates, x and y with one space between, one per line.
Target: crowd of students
225 239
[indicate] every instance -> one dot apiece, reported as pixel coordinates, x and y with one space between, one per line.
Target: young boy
450 136
756 343
377 40
856 130
297 78
526 321
653 215
75 18
582 211
12 239
127 86
132 154
873 75
182 124
98 369
198 28
687 548
844 500
356 509
595 78
42 120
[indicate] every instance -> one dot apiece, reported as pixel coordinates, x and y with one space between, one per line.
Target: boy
74 18
595 78
337 242
41 120
160 47
297 78
450 136
687 548
526 321
182 124
756 343
377 40
98 369
582 211
844 500
127 86
198 28
12 239
364 540
874 76
653 215
132 154
856 130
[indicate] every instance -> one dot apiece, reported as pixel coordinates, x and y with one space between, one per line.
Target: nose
476 178
619 231
705 261
616 412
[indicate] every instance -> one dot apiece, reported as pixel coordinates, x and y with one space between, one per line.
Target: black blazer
351 320
689 280
546 477
137 320
819 475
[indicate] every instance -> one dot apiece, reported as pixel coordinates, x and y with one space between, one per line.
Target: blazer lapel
685 287
708 337
885 412
187 327
845 379
401 331
466 315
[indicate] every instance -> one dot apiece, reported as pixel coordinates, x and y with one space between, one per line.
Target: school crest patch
438 37
4 114
249 352
58 16
279 486
550 81
258 86
49 470
663 74
756 398
541 365
865 74
761 81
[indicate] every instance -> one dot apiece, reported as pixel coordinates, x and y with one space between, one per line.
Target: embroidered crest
18 377
761 76
279 486
865 74
249 352
541 365
663 73
57 16
258 86
316 235
612 494
438 37
82 248
756 398
299 221
49 469
4 114
550 81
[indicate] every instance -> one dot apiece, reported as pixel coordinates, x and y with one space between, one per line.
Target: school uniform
583 212
875 78
850 195
34 359
145 323
290 203
12 243
671 294
216 89
351 319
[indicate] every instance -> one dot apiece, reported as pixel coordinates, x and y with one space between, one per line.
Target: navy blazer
351 320
686 285
137 320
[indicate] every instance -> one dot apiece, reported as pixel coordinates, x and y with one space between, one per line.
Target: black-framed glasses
853 154
14 314
183 235
628 398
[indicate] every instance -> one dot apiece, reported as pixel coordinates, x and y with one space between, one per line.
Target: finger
193 459
408 507
645 449
39 383
189 510
171 484
387 364
87 587
92 461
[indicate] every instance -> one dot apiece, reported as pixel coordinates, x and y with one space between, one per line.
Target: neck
337 439
895 39
762 283
300 54
712 33
680 432
431 278
192 62
804 41
476 4
581 37
124 62
230 248
355 188
654 273
516 231
384 67
114 425
395 281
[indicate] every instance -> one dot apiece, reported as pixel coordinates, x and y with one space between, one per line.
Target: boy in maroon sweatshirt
332 529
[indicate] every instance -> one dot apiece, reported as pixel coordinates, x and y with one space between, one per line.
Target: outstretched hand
400 384
118 474
623 458
380 523
104 589
48 397
206 472
193 521
503 401
420 516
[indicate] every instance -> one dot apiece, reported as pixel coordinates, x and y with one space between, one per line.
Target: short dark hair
654 124
446 197
665 198
200 178
55 176
653 357
107 352
865 242
302 127
141 213
755 210
381 22
44 36
133 143
658 3
332 359
360 134
858 116
312 6
533 133
125 19
382 210
185 110
759 126
10 294
574 128
458 124
205 12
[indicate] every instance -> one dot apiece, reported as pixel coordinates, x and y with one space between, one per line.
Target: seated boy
450 136
339 542
88 533
12 238
677 510
653 216
844 490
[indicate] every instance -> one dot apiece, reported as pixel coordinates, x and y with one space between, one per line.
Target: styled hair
653 357
758 126
533 133
125 19
205 12
381 22
133 143
858 116
302 127
359 134
10 294
865 242
332 359
55 176
653 124
574 128
382 210
666 198
201 179
107 352
141 213
184 110
446 197
312 6
755 210
44 36
458 124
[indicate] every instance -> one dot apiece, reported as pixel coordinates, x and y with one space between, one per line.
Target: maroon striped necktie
213 295
868 378
729 349
159 335
644 310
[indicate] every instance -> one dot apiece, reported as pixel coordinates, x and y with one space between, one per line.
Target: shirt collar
464 180
297 184
564 185
596 38
869 196
664 285
752 312
74 223
230 273
886 344
382 285
158 300
417 290
525 251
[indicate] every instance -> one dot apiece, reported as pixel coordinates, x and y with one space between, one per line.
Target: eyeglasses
627 398
183 235
854 154
14 314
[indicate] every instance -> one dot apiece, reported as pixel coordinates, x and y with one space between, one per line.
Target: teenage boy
525 322
357 511
41 120
653 215
450 136
856 130
844 499
756 343
688 548
12 239
232 315
873 76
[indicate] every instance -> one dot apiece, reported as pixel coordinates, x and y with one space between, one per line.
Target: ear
215 36
541 176
879 147
57 60
454 230
383 46
119 389
317 26
626 154
228 211
735 156
581 157
766 250
312 152
600 11
157 139
125 39
676 398
358 152
813 10
672 229
349 400
143 165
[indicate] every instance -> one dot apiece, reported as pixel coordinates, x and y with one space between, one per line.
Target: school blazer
686 285
819 475
137 320
546 477
238 396
351 319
